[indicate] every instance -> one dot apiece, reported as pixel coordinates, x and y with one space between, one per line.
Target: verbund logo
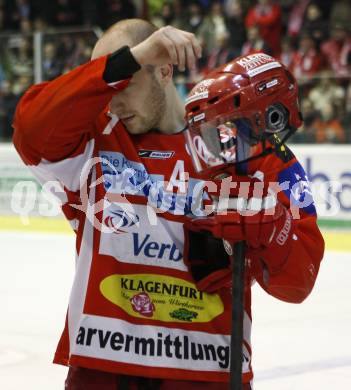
130 238
155 250
121 220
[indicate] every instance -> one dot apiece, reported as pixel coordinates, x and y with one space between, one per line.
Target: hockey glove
267 233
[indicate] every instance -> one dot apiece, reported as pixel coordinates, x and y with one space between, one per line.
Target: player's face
141 105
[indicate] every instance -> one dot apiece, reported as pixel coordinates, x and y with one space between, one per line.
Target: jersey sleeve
55 120
295 281
54 123
296 278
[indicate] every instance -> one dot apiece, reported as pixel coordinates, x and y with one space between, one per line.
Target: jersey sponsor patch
161 298
151 346
179 195
296 187
129 237
157 154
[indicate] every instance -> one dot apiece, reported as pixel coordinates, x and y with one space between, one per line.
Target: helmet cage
236 138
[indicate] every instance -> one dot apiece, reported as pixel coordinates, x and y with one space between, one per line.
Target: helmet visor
221 142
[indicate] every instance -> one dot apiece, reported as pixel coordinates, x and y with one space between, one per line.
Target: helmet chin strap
239 166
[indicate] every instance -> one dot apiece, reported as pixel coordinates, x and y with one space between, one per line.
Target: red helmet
240 111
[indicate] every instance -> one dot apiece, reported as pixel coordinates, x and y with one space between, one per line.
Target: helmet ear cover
277 117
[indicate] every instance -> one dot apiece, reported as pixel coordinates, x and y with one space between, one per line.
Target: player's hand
169 45
267 234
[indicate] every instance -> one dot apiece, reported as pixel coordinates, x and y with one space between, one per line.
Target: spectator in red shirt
307 59
296 16
267 16
337 50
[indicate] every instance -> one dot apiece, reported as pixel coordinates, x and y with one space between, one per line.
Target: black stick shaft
236 342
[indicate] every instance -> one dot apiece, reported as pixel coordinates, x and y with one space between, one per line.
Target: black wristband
120 65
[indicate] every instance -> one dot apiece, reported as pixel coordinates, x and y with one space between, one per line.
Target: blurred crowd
311 37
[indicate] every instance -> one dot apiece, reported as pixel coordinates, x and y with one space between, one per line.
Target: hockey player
109 132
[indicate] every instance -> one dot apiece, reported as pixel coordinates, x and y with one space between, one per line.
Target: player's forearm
54 118
295 280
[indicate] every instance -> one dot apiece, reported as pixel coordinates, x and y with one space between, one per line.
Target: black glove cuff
120 65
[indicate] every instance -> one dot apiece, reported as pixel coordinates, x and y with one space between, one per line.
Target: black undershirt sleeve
120 65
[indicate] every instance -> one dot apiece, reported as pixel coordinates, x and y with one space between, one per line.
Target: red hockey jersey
134 307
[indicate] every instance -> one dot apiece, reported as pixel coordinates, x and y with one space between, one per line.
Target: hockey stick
236 341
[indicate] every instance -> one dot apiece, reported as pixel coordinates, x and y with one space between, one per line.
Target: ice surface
296 347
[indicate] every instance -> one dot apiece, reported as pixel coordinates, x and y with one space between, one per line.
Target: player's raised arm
52 119
55 119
